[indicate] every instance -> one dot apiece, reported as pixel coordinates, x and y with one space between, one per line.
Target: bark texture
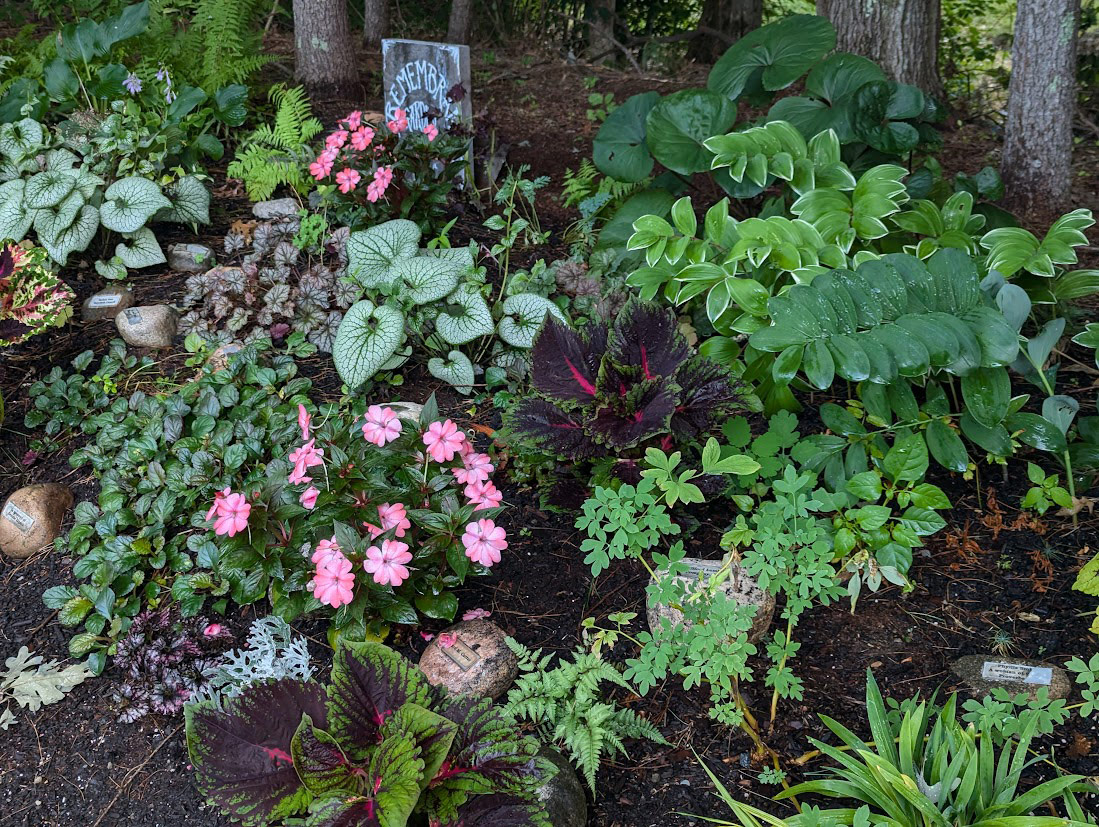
375 22
600 15
732 18
460 25
324 51
901 36
1037 159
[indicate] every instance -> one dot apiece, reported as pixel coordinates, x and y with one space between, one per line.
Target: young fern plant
566 706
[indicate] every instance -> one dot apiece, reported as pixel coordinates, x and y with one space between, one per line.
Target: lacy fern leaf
278 154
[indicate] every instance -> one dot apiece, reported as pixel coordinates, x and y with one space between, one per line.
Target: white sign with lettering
105 300
1001 672
18 517
430 82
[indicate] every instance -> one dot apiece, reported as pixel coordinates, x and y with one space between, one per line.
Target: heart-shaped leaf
22 138
466 318
15 217
190 202
140 249
48 189
129 203
523 316
74 238
372 252
678 126
455 369
619 149
368 337
426 279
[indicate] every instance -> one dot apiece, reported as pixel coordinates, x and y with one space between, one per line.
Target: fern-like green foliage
278 153
566 706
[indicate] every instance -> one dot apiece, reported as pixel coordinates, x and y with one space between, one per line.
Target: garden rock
470 658
31 518
148 326
983 673
277 208
191 258
108 303
407 411
563 795
739 587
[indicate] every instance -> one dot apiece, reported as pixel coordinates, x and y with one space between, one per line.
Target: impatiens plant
430 296
377 747
609 388
32 299
377 517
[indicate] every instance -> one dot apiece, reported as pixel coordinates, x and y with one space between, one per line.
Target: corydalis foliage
605 389
378 746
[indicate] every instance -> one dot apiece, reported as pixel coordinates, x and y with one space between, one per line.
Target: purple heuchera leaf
241 753
647 336
565 363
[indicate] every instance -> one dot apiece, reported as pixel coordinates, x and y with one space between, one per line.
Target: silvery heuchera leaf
48 189
189 202
286 254
345 293
15 217
140 249
74 238
33 683
427 279
466 318
278 299
22 138
194 288
234 242
372 252
129 203
368 336
238 320
324 334
455 369
523 315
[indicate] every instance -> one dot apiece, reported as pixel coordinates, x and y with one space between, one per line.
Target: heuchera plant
32 299
389 515
379 747
606 389
369 172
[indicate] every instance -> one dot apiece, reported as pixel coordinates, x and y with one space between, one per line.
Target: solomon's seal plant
379 747
32 299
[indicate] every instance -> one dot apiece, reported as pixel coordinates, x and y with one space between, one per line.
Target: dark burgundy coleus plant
379 748
605 389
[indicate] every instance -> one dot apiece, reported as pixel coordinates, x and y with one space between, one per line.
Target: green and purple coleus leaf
241 751
497 811
565 362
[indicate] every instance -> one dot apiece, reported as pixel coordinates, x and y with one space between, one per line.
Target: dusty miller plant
32 683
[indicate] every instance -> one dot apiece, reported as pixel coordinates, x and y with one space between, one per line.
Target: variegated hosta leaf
528 311
15 217
140 249
113 269
455 369
189 202
74 238
129 203
372 252
61 159
22 138
466 318
367 338
426 279
48 189
49 221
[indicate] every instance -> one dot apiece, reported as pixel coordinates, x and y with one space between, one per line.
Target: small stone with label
108 303
983 673
470 658
191 258
31 518
738 586
148 326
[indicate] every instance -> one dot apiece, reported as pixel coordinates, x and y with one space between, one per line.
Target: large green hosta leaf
879 111
368 337
129 203
190 202
830 87
523 316
455 369
426 279
619 149
679 125
48 189
372 252
74 238
466 317
140 249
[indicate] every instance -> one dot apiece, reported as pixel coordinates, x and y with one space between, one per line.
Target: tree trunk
461 21
1037 159
901 36
733 18
324 52
375 22
600 14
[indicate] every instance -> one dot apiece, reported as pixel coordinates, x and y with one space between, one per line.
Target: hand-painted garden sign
429 81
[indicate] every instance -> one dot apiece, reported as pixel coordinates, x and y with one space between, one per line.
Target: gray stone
418 76
738 586
563 795
277 208
983 673
470 658
31 518
407 411
148 326
108 303
191 258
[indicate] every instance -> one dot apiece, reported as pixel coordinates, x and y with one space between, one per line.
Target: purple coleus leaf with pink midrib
566 362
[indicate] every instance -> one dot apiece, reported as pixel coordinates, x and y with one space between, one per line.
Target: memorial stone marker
421 77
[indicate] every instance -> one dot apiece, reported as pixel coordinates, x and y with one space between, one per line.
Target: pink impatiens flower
394 516
325 550
213 630
232 514
219 497
376 188
447 639
304 458
347 178
431 131
399 122
381 425
476 468
320 168
484 540
354 120
304 419
361 138
308 497
333 583
483 495
387 563
443 440
476 614
336 139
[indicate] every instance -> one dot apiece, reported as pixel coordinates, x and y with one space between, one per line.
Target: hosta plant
278 286
610 388
377 746
32 298
430 297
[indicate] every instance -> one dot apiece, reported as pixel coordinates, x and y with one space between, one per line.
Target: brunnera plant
377 746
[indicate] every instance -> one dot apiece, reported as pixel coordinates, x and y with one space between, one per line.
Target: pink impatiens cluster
230 513
333 583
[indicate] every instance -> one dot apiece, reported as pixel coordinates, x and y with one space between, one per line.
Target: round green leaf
619 148
681 122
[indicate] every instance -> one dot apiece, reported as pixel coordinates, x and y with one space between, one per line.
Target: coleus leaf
241 751
647 336
370 682
644 410
523 315
498 811
431 732
565 362
706 391
319 761
559 431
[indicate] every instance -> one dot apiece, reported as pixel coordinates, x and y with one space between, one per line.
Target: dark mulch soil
981 583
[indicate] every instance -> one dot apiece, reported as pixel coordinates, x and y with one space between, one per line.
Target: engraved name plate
18 517
1016 673
461 654
104 300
